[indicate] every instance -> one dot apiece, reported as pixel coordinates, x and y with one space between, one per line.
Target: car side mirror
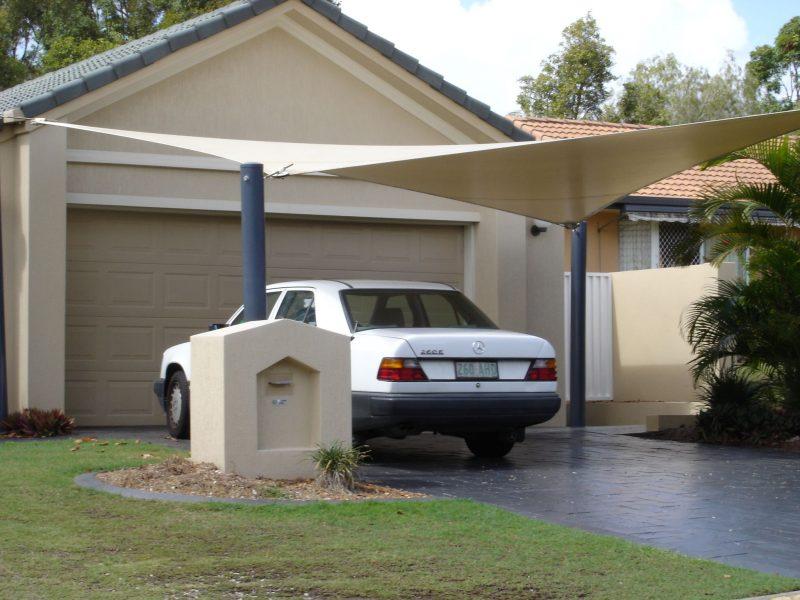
215 326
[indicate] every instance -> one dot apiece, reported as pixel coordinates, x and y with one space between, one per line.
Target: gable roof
44 93
686 185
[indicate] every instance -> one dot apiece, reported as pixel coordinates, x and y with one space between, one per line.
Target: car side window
272 298
298 305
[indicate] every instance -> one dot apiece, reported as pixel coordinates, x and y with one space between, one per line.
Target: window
272 298
298 305
373 309
441 311
653 244
672 242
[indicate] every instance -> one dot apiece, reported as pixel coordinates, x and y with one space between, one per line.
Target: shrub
34 422
741 409
337 465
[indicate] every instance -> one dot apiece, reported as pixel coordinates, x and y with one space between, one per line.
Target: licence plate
476 370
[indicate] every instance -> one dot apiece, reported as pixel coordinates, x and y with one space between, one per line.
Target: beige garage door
139 282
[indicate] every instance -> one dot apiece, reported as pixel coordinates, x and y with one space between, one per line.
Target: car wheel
490 445
177 404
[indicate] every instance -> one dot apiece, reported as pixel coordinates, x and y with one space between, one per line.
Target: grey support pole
577 329
253 242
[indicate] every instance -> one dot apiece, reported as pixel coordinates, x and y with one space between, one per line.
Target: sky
485 46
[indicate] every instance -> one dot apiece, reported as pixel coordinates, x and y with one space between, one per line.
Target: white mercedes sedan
424 358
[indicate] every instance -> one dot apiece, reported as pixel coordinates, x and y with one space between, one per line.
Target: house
644 229
114 250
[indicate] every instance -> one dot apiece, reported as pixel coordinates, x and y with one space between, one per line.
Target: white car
424 358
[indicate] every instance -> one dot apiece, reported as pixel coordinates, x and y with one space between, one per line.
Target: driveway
734 505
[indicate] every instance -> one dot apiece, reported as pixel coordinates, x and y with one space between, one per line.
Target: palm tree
754 325
753 216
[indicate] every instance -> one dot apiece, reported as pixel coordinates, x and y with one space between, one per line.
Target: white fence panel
599 337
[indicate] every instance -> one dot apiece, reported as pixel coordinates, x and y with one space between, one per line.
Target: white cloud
486 46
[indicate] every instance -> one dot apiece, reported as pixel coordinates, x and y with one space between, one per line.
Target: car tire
176 401
490 445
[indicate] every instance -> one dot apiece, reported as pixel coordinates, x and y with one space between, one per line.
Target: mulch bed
178 475
690 434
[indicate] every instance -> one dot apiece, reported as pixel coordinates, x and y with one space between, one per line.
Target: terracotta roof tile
689 184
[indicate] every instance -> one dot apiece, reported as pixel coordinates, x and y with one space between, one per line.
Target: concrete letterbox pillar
264 395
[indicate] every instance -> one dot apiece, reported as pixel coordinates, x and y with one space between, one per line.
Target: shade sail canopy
561 181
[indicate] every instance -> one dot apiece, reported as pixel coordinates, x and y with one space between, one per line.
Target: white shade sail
561 181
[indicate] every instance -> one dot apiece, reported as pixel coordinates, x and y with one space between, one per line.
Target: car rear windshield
373 309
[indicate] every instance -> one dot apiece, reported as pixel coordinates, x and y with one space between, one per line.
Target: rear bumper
451 413
159 386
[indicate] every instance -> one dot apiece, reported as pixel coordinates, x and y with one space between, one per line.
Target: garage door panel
229 292
113 398
139 282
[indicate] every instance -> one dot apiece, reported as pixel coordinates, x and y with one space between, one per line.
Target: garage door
140 282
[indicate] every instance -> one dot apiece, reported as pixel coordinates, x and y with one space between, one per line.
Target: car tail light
542 369
401 369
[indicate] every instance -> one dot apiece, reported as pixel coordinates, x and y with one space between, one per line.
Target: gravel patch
178 475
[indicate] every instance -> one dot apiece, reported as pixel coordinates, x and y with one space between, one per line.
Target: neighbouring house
644 229
114 249
637 296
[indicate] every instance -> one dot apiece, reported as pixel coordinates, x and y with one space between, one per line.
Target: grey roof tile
408 62
380 44
69 91
38 104
129 64
430 77
237 13
44 93
455 93
262 6
155 52
352 26
97 79
326 9
210 27
181 39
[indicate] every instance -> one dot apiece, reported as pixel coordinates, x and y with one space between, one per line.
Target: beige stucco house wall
115 249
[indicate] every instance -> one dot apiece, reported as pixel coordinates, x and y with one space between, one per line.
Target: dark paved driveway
734 505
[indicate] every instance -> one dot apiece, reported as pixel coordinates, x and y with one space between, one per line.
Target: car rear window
373 309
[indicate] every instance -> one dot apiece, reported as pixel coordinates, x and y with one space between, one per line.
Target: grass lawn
60 541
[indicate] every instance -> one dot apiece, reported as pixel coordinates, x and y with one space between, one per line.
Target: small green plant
740 408
337 465
34 422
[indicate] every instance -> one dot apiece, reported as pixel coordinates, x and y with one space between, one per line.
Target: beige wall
32 180
602 243
650 354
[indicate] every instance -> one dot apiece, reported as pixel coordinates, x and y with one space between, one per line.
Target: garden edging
91 482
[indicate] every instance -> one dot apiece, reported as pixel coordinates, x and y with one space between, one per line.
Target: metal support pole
3 381
577 329
253 242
